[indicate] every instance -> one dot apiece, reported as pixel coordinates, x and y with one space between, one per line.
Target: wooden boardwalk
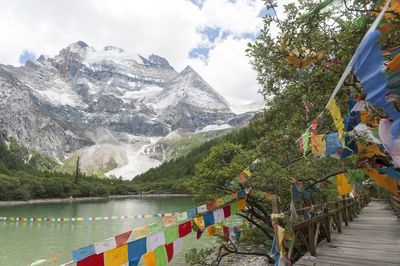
373 238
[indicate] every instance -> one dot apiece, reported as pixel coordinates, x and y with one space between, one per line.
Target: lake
23 243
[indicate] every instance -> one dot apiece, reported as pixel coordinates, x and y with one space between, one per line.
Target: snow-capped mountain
83 100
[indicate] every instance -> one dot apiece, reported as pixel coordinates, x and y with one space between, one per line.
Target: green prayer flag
236 180
171 234
261 194
156 227
181 217
332 179
161 256
305 138
227 199
234 208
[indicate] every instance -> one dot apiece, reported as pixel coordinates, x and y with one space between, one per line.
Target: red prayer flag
227 211
267 195
226 233
241 177
313 133
199 233
185 228
122 238
301 145
93 260
211 205
170 251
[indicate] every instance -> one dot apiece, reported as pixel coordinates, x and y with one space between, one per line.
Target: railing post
311 231
344 209
327 220
338 217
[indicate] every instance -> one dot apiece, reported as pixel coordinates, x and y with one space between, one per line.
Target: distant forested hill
171 175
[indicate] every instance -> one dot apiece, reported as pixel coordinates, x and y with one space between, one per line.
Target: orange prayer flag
234 196
169 221
384 180
150 258
242 204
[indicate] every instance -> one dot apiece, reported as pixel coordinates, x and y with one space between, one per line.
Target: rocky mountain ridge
108 102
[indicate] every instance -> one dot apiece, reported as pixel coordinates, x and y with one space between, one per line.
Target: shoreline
63 200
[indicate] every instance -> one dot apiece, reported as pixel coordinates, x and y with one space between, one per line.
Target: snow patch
60 97
118 56
214 127
146 92
251 107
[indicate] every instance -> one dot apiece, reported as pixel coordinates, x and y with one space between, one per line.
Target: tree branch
325 178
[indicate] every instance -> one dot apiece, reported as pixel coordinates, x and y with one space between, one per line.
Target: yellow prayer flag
117 256
219 202
200 222
247 172
141 232
281 237
343 185
242 204
150 258
319 144
337 119
384 180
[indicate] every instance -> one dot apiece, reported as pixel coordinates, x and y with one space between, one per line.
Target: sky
209 35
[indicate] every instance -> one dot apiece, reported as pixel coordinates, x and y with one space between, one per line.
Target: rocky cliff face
61 105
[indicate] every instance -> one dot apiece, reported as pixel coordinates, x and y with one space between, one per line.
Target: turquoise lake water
23 243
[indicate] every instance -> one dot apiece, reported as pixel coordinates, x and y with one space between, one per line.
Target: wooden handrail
318 225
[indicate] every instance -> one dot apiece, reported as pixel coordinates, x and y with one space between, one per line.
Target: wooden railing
318 225
395 203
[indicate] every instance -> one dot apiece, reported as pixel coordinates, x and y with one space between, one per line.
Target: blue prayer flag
135 251
208 219
390 172
333 144
83 253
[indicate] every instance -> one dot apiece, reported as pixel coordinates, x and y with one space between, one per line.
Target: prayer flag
117 256
105 245
199 222
155 240
227 199
234 208
95 259
136 249
227 211
319 145
241 194
333 144
390 172
295 194
161 256
343 185
169 248
218 215
211 230
83 253
234 196
384 180
150 258
169 221
185 228
337 119
202 208
141 232
219 202
268 196
305 138
211 205
156 226
247 172
181 217
122 238
241 177
171 234
177 246
208 219
301 145
191 213
241 204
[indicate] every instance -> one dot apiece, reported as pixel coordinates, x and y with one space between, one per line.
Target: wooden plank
373 238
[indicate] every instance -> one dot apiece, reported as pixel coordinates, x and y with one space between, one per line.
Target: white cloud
166 28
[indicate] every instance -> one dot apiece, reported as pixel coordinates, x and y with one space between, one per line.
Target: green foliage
24 181
170 176
198 257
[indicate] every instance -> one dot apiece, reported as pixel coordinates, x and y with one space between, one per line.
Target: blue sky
209 35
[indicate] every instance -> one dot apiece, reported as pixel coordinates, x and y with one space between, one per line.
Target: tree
77 172
299 58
